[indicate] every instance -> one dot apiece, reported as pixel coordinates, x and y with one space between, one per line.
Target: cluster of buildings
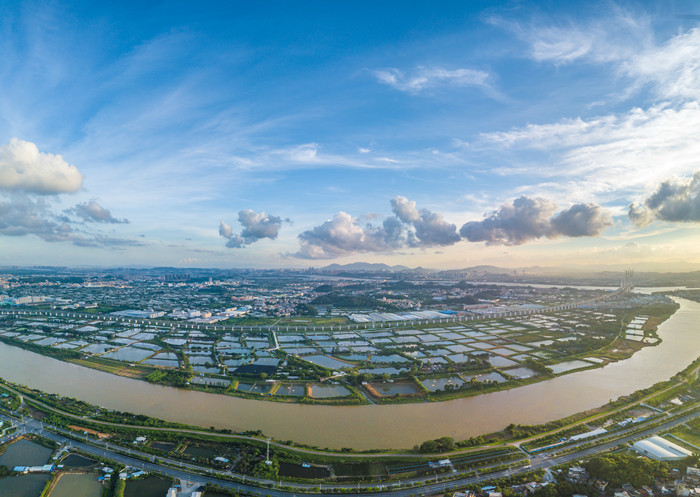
679 484
46 468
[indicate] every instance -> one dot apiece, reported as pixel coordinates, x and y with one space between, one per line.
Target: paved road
188 472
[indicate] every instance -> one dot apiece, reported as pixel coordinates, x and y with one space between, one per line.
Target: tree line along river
371 426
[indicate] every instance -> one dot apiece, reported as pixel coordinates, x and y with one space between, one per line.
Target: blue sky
438 135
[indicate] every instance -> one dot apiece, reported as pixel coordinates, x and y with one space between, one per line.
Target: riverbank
371 426
494 449
499 365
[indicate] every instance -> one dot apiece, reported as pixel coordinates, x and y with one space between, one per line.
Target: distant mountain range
365 266
607 275
379 267
573 270
376 267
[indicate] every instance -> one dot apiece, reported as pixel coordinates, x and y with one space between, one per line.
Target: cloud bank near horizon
523 220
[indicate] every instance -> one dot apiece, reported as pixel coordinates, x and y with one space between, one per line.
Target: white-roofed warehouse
661 449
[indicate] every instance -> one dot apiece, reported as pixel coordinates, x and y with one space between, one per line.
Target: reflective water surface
371 426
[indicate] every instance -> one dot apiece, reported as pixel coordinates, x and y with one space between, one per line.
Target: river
371 426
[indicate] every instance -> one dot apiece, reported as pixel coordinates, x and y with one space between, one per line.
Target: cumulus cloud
425 78
513 224
527 218
429 227
639 214
674 200
343 235
409 227
256 226
28 178
225 230
522 220
581 220
23 168
93 212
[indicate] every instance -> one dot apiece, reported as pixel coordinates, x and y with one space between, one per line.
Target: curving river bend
371 426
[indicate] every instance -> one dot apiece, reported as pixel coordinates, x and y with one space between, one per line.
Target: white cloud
614 34
527 219
24 168
627 151
672 69
340 236
303 153
310 155
674 200
256 226
345 234
225 230
423 78
428 228
561 45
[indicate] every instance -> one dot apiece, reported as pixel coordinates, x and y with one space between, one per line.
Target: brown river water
371 426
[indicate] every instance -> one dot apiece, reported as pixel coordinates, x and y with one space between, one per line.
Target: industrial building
661 449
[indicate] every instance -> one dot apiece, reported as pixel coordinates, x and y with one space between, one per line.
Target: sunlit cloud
603 151
527 219
674 200
256 226
24 168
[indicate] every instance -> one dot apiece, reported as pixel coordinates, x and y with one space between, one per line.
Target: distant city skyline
444 136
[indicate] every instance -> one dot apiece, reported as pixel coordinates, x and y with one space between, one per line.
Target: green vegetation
62 354
116 486
210 488
305 310
5 471
443 444
560 489
620 468
352 302
172 377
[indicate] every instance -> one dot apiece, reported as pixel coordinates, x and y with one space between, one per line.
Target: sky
285 134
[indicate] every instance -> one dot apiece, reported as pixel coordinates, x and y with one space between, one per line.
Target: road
428 485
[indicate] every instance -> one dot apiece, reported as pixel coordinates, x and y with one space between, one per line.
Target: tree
305 310
619 469
443 444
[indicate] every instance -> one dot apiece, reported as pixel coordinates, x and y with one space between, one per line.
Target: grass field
689 435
